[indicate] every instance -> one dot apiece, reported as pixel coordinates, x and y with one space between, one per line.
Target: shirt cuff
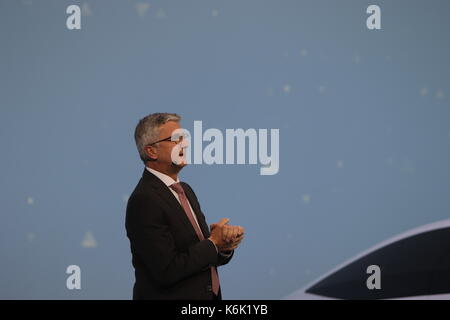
226 254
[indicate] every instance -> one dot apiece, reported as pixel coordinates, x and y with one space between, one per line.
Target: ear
151 152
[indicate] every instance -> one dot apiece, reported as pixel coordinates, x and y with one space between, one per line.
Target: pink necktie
185 204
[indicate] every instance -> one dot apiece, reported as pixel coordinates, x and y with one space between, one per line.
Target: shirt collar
163 177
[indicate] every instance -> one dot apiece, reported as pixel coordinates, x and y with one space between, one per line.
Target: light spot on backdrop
306 198
215 12
31 236
287 89
89 240
30 201
439 95
390 161
141 8
161 14
321 90
423 91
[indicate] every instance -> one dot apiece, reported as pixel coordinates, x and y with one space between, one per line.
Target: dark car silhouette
413 265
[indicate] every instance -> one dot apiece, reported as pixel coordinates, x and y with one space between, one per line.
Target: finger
240 231
239 237
235 232
231 232
229 248
226 233
232 235
237 241
223 222
214 225
234 246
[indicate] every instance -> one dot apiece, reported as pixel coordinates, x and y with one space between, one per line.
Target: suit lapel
196 208
167 196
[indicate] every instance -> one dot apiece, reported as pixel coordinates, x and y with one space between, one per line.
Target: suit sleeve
152 241
224 258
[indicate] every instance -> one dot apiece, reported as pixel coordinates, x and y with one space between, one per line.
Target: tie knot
177 187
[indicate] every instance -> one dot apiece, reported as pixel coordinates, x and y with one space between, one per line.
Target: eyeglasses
177 139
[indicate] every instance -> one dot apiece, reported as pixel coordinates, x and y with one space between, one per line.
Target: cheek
166 153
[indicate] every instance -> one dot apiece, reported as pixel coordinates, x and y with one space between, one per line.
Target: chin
180 165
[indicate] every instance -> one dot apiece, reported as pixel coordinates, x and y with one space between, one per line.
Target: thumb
223 222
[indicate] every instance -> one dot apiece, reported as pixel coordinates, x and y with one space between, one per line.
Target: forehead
167 128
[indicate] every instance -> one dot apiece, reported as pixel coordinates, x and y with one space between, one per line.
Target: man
175 255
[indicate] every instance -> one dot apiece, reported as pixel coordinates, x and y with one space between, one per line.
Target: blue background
364 119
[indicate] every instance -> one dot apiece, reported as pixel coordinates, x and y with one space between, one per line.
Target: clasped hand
226 237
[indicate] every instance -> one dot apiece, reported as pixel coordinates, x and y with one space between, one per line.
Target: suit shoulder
141 199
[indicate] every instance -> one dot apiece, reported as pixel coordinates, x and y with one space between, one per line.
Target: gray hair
148 128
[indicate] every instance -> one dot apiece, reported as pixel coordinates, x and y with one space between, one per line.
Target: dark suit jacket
170 261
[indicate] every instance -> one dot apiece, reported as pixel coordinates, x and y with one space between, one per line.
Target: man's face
170 152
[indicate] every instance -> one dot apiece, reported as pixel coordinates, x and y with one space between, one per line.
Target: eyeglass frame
167 139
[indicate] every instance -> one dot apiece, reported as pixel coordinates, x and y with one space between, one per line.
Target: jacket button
209 288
